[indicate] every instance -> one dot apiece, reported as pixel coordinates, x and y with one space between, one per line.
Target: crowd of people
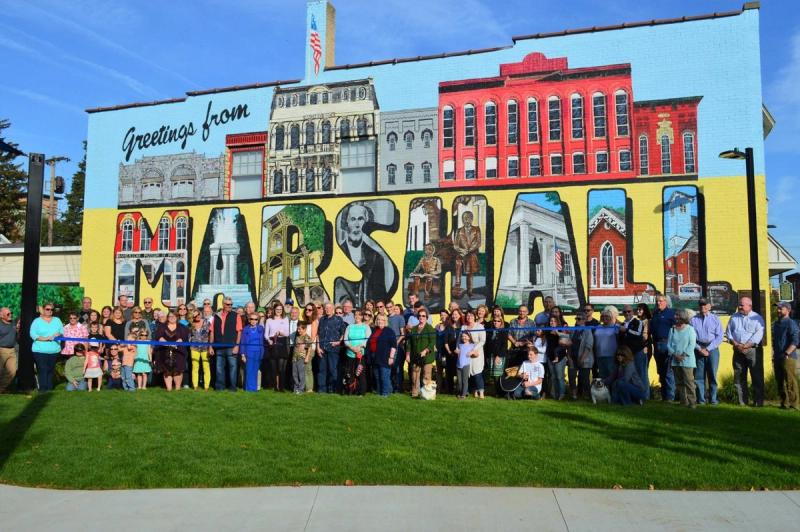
387 348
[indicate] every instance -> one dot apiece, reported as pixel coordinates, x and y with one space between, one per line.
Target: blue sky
67 56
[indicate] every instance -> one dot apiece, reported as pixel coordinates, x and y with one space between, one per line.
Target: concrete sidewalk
388 508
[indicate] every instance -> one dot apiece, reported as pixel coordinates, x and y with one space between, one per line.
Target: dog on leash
600 392
428 391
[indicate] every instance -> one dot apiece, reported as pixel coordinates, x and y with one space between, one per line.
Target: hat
703 302
289 301
785 304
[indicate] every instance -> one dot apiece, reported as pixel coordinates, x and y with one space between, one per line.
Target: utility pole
51 211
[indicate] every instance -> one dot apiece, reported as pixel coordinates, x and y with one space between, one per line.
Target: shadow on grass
13 432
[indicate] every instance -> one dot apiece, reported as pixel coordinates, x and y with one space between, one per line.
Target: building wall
396 125
57 265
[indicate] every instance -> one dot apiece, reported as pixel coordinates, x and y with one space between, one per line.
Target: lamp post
755 280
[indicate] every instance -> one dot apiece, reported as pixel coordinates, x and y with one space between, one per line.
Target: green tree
12 186
70 224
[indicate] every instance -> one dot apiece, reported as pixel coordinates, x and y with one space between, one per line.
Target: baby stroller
510 382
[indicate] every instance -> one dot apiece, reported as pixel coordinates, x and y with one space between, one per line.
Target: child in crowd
532 374
92 369
143 362
96 333
465 352
73 369
115 371
252 349
128 356
301 355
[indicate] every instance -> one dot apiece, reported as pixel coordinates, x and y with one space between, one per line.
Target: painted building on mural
581 165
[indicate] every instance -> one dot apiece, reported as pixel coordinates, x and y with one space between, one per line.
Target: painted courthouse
581 165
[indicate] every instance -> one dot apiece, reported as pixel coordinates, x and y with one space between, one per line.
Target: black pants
350 370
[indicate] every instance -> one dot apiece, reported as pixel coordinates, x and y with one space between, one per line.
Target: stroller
509 382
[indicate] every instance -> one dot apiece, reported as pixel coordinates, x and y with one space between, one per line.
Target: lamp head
732 154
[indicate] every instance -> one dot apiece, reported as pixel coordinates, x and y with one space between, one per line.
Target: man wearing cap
785 339
745 331
706 351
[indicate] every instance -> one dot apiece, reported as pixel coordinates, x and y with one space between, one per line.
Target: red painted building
540 121
608 261
165 252
246 165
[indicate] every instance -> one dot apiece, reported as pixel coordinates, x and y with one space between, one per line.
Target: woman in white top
276 332
476 361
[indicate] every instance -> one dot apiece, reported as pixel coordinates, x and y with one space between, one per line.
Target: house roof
609 216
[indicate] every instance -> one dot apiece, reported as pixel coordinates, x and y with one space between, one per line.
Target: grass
194 439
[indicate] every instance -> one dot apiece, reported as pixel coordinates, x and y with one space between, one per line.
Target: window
680 278
293 181
577 116
277 182
344 128
296 269
247 163
279 137
469 125
151 191
644 162
688 153
294 137
426 172
361 127
607 265
163 234
491 167
449 170
246 174
666 156
447 127
620 271
391 172
533 120
409 168
578 163
127 235
601 161
599 110
313 98
327 179
144 238
310 133
556 165
513 122
408 138
625 164
358 154
593 278
391 139
490 122
302 98
554 117
310 181
513 167
326 132
567 260
312 272
469 168
621 109
534 165
427 137
182 189
181 233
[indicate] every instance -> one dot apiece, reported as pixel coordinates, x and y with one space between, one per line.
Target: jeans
605 366
463 381
226 358
384 375
528 393
641 364
665 376
328 370
626 393
477 382
80 387
127 378
557 384
706 367
786 376
45 366
742 363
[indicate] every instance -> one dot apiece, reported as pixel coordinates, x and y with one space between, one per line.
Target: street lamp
755 281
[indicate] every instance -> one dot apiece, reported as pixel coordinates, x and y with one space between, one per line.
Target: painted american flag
315 44
559 264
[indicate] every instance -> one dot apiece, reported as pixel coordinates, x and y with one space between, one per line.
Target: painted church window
644 160
556 164
513 167
491 167
601 161
625 164
163 234
127 235
144 238
534 166
181 233
607 264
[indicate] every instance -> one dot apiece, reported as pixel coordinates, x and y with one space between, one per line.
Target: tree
12 186
68 228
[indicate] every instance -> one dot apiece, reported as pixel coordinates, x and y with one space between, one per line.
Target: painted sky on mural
67 56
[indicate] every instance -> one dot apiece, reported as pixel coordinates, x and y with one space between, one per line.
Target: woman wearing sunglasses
45 349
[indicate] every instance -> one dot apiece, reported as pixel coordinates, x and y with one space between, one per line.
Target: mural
176 178
295 248
225 263
354 225
163 256
682 282
610 251
539 257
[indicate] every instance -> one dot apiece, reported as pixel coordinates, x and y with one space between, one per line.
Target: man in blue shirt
660 325
329 346
709 338
785 339
745 331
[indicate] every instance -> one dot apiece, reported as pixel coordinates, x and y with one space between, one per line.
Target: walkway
405 509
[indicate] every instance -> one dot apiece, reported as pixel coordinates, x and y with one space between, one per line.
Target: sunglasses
137 311
228 304
423 315
253 319
148 302
49 309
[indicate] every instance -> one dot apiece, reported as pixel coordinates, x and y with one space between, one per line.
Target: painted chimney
320 37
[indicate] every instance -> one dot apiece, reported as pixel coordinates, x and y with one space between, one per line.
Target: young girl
128 356
96 333
465 349
115 371
92 369
143 361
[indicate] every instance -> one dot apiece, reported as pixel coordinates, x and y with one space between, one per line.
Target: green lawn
193 439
